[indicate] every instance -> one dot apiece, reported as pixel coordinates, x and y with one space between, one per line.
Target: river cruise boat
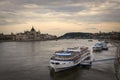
88 61
104 45
62 60
100 46
97 47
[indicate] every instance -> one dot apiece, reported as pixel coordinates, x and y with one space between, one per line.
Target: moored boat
104 45
69 58
88 61
97 47
100 46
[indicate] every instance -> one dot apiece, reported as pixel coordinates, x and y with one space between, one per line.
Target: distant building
26 36
7 36
33 35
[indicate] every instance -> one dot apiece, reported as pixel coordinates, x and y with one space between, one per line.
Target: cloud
77 12
31 6
91 28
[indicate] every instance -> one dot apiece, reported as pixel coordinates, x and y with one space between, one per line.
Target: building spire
32 29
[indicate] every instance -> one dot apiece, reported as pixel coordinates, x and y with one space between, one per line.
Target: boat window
52 62
57 63
65 56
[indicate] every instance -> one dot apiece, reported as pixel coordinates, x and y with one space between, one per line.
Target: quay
117 61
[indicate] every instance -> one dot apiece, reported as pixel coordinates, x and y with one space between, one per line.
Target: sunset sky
59 16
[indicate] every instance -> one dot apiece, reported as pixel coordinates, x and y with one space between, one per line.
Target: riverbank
26 40
117 61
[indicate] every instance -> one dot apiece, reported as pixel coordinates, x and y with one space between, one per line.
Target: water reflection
74 73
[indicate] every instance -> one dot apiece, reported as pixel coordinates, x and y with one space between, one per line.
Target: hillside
76 35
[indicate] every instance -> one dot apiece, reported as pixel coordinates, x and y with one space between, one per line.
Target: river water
30 61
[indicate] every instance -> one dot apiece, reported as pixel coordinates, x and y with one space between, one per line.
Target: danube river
30 61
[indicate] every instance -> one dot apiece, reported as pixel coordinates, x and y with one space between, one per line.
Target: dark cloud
112 16
68 8
11 11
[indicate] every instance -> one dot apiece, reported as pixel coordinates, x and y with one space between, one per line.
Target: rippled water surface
30 61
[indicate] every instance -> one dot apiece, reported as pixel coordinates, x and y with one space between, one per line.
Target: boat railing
84 48
62 59
75 55
59 51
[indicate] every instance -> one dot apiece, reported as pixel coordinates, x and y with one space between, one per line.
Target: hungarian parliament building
31 35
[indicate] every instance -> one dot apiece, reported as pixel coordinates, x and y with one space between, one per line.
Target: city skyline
59 16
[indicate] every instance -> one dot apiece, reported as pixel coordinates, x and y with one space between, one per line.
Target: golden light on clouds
51 17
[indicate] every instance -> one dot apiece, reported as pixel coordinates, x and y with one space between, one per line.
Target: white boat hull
63 65
89 61
97 48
